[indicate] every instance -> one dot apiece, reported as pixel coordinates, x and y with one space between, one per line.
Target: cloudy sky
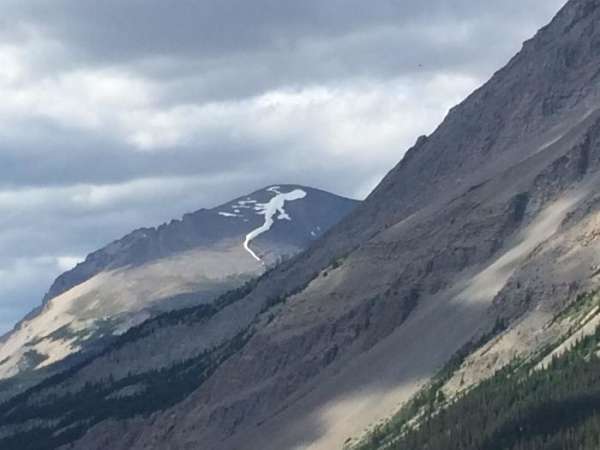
116 114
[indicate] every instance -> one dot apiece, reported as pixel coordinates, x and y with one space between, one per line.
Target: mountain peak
181 263
206 227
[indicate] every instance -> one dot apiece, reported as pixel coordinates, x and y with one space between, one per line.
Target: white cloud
89 99
65 263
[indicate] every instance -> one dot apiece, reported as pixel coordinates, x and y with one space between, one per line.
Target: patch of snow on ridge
226 214
275 205
237 208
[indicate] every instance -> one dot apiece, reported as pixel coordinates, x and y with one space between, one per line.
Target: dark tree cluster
519 408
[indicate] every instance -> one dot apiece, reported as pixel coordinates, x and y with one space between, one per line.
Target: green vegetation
70 415
88 339
281 299
519 408
184 316
32 358
580 308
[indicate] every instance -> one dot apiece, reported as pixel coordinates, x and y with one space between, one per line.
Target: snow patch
245 204
268 210
236 208
226 214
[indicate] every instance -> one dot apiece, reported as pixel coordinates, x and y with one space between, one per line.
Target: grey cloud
138 28
57 157
226 49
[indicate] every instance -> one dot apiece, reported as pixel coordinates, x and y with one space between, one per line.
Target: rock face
491 218
183 263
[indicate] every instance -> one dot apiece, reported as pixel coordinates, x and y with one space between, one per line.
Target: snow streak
274 206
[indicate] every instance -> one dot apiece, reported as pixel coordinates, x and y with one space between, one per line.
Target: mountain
151 270
477 253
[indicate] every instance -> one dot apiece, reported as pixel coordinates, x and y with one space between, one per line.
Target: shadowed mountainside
491 219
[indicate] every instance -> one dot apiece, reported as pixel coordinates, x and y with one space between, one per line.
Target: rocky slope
152 270
490 220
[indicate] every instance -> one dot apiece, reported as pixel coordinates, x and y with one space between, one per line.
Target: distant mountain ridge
205 227
177 264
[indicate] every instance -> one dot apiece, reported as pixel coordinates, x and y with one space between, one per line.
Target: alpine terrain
152 270
455 308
